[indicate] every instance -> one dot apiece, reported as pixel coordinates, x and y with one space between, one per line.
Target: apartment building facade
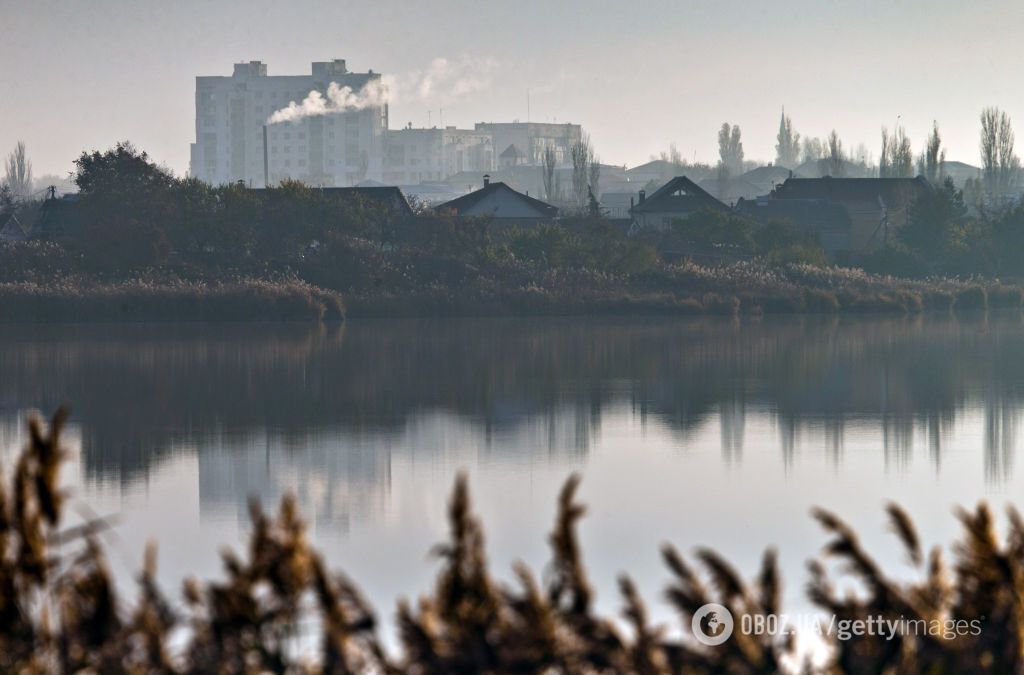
235 142
415 156
530 139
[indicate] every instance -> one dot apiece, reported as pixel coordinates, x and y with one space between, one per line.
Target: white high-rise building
234 141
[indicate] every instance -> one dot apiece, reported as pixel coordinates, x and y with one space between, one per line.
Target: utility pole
266 160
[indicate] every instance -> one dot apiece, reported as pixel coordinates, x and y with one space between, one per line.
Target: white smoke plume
444 81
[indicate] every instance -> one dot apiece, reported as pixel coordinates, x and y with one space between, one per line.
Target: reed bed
174 300
60 610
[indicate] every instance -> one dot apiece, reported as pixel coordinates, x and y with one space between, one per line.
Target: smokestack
487 179
643 196
266 160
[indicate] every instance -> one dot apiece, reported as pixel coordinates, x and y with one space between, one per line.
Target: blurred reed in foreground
60 610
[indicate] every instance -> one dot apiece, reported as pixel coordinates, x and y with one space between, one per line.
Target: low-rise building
500 203
876 207
675 200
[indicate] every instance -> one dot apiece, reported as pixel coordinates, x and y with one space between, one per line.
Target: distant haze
638 76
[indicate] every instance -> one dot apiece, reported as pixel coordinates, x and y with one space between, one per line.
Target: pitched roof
679 195
512 151
818 168
852 189
13 230
466 202
388 197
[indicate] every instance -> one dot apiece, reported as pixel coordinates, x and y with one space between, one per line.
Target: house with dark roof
500 203
876 207
11 229
827 221
676 199
390 200
511 156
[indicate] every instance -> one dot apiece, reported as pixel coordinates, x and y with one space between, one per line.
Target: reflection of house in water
334 479
342 477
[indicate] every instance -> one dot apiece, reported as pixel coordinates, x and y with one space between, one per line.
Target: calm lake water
717 433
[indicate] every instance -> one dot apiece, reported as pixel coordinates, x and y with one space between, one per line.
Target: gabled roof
818 168
732 189
655 165
852 189
388 197
511 152
465 203
679 195
13 230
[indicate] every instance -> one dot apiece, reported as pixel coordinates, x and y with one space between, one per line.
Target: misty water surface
698 432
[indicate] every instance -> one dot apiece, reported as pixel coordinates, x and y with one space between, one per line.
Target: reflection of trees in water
138 390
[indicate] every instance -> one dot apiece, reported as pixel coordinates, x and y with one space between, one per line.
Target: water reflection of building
340 477
527 389
334 481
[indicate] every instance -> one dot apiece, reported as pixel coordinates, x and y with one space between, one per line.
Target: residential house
675 200
12 230
749 185
829 222
502 204
511 156
876 207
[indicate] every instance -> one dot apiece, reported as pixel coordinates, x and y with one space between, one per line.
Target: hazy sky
638 75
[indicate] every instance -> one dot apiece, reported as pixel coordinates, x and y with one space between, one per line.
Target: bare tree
595 175
934 156
730 150
550 160
787 150
834 163
884 169
897 160
582 155
673 156
813 150
19 172
999 164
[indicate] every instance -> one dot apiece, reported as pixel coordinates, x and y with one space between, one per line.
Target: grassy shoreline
256 300
533 301
138 301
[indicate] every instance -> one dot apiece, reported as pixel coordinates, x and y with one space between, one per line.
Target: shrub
714 303
820 300
938 299
1005 296
243 300
971 297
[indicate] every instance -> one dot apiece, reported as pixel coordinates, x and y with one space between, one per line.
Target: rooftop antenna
527 105
429 113
442 117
